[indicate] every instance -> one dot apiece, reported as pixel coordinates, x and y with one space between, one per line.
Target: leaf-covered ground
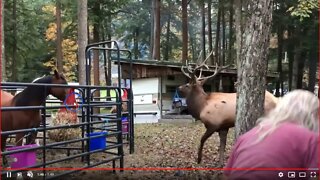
166 145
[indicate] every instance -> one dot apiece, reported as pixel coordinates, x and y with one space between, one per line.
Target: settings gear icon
280 174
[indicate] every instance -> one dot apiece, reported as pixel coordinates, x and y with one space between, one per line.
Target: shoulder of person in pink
22 159
288 146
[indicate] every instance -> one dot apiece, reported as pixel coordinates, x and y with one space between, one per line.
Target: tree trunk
184 31
109 65
106 64
220 84
295 67
313 60
136 43
106 55
217 51
290 49
298 64
96 53
223 33
203 31
238 25
96 38
300 69
312 68
253 66
14 48
96 69
211 59
152 12
82 39
156 29
3 59
279 83
231 39
192 42
168 44
59 37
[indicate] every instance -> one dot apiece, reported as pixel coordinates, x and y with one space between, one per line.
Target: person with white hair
285 138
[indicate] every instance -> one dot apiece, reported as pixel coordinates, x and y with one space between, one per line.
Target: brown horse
30 96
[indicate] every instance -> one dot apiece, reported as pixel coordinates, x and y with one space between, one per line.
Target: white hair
298 106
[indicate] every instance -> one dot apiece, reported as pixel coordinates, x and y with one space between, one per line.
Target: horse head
59 92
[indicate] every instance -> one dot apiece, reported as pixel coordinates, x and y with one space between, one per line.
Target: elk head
196 82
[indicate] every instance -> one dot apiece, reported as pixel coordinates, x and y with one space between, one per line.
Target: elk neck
196 101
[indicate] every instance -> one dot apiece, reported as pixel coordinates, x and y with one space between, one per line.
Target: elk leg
32 138
3 147
19 139
223 141
205 136
3 142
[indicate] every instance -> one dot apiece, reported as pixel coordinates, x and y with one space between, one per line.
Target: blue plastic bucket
124 118
97 142
125 124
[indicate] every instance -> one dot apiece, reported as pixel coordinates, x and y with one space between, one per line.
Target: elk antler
186 74
203 64
192 73
216 71
189 68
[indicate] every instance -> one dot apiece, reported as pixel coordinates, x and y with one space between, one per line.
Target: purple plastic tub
23 159
125 126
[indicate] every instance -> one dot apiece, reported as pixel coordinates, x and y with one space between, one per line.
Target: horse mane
38 78
33 93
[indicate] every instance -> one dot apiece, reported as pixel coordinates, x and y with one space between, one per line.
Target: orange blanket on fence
71 100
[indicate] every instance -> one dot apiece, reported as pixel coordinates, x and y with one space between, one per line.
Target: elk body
217 111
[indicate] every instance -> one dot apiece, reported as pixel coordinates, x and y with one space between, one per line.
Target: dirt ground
157 145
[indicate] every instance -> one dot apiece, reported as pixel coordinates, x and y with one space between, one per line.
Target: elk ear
56 74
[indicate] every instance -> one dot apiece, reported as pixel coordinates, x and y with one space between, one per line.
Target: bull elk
216 110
